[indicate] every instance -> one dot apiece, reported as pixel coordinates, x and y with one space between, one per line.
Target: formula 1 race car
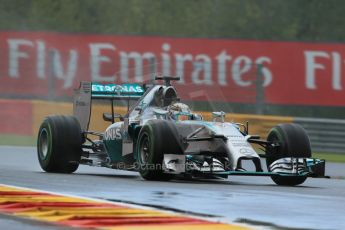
161 138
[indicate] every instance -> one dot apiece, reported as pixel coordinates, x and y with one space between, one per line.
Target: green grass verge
17 140
330 157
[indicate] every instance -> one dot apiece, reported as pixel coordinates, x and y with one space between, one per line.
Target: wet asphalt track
318 204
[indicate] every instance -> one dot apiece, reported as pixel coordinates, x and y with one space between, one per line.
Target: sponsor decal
247 151
113 88
113 134
240 144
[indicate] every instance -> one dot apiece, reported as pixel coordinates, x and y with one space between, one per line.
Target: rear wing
89 91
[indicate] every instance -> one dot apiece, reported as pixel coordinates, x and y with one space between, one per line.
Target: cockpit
156 97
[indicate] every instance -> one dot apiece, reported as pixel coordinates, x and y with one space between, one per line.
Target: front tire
59 144
156 137
293 142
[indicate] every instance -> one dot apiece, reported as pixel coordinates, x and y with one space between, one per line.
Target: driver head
179 111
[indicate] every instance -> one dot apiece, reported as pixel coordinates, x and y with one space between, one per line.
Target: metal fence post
51 77
260 93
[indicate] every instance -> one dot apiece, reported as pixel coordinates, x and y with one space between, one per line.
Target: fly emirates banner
32 64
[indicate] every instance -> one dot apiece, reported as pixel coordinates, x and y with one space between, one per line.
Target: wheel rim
144 149
43 143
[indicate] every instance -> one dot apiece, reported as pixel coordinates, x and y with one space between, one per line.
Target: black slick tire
156 137
59 144
293 142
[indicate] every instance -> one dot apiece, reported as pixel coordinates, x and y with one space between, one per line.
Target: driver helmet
179 111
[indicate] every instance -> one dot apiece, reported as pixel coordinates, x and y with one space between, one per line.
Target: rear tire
59 144
293 142
156 138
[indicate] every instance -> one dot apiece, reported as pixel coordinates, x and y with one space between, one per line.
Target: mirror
108 117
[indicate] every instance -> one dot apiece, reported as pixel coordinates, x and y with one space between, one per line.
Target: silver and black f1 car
161 138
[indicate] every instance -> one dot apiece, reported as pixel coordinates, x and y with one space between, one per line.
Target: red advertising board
294 73
16 118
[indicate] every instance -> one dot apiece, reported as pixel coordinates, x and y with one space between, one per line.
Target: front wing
184 164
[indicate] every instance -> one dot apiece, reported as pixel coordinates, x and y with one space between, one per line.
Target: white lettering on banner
227 70
237 70
138 60
242 65
71 67
96 59
312 66
166 60
15 54
336 78
180 60
41 59
202 64
222 58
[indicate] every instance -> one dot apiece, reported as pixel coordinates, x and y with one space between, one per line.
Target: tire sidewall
146 132
44 161
277 133
153 168
64 140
